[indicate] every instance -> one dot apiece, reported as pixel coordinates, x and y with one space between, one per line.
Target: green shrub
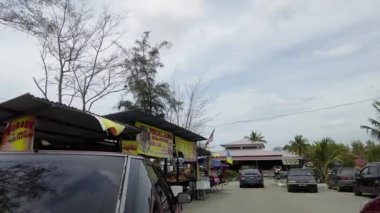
232 175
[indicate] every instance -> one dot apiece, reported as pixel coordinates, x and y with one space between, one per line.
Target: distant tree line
325 153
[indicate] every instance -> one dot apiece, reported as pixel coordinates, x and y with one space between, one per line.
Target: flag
110 126
229 158
211 138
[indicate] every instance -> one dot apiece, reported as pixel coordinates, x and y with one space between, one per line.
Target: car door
140 191
371 177
360 179
368 179
165 201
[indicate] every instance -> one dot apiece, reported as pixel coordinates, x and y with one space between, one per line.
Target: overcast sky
257 59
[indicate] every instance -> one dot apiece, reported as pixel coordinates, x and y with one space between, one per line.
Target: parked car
372 206
251 177
341 178
367 180
83 182
301 180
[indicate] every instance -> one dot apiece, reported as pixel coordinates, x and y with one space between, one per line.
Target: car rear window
350 172
301 172
251 172
59 183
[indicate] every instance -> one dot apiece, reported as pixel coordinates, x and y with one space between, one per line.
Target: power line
297 113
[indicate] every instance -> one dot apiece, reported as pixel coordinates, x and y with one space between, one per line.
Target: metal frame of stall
133 116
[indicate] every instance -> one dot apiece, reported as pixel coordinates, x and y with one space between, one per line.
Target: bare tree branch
79 50
190 110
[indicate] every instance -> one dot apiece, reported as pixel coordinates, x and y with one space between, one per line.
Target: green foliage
256 137
370 151
373 153
232 175
347 159
298 146
324 153
374 129
358 148
141 69
370 143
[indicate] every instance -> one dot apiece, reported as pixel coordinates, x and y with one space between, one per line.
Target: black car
368 180
341 178
83 182
251 177
301 180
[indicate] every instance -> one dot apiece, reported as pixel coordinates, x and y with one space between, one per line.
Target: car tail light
344 178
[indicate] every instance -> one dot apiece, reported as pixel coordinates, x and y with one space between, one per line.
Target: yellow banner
130 147
187 148
154 142
18 134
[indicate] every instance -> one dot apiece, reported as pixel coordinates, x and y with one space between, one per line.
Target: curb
322 186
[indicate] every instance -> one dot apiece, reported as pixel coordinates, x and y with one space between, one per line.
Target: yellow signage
154 142
18 134
130 147
187 148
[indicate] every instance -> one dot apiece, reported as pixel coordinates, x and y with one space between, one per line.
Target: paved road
274 199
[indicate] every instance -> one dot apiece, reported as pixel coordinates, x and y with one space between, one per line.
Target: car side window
161 195
372 170
364 171
139 189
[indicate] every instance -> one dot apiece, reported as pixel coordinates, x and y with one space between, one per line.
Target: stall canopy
57 123
131 117
218 164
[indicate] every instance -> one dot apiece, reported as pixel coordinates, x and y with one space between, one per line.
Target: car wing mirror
184 198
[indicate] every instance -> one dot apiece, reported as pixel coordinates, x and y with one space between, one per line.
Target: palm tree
298 146
256 137
324 153
375 128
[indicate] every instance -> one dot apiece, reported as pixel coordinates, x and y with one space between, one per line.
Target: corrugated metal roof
258 154
137 115
244 141
260 158
252 152
55 121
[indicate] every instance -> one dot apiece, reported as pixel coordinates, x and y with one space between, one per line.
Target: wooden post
165 166
177 161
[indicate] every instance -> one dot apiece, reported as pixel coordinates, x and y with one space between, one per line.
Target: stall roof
55 121
203 152
137 115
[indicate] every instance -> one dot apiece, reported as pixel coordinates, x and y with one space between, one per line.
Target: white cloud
339 51
259 59
244 104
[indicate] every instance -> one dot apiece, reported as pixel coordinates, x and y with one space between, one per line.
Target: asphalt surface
275 199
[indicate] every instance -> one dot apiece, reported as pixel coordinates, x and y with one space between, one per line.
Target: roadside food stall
171 146
218 172
184 163
30 123
203 179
